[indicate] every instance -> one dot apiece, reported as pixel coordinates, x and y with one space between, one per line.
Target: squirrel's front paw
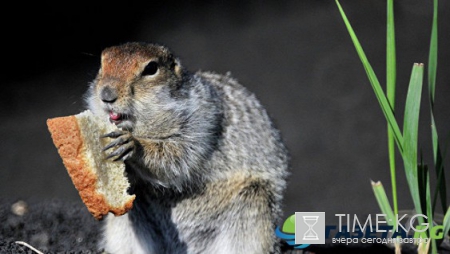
124 144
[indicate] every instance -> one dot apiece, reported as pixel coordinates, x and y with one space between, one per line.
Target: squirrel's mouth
117 118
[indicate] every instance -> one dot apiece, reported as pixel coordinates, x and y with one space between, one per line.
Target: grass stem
391 73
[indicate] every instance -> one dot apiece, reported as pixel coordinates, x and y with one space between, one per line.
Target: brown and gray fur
204 159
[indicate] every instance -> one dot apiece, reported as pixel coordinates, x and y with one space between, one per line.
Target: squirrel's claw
121 139
124 142
122 153
114 134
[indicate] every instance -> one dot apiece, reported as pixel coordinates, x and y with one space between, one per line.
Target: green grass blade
391 68
379 93
424 174
441 187
446 222
391 73
432 57
432 73
410 133
383 202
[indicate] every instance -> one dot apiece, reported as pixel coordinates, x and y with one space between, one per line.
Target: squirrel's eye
150 69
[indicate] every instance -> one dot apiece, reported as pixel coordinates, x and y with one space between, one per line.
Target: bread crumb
19 208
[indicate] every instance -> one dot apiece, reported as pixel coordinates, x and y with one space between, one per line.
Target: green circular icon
289 225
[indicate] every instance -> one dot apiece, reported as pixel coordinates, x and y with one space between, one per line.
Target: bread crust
67 138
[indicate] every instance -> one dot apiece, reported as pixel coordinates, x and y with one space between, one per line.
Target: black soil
54 226
58 226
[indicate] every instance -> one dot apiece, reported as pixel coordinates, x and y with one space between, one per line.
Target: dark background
296 56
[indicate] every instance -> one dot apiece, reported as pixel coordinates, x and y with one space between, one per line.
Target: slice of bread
101 183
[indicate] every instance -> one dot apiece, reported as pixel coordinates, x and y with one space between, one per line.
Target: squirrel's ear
177 67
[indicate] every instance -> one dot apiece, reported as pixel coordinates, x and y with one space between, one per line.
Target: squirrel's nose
108 95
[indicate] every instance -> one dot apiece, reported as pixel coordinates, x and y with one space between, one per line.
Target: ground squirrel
203 157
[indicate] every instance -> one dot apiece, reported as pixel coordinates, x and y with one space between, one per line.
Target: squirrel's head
139 85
